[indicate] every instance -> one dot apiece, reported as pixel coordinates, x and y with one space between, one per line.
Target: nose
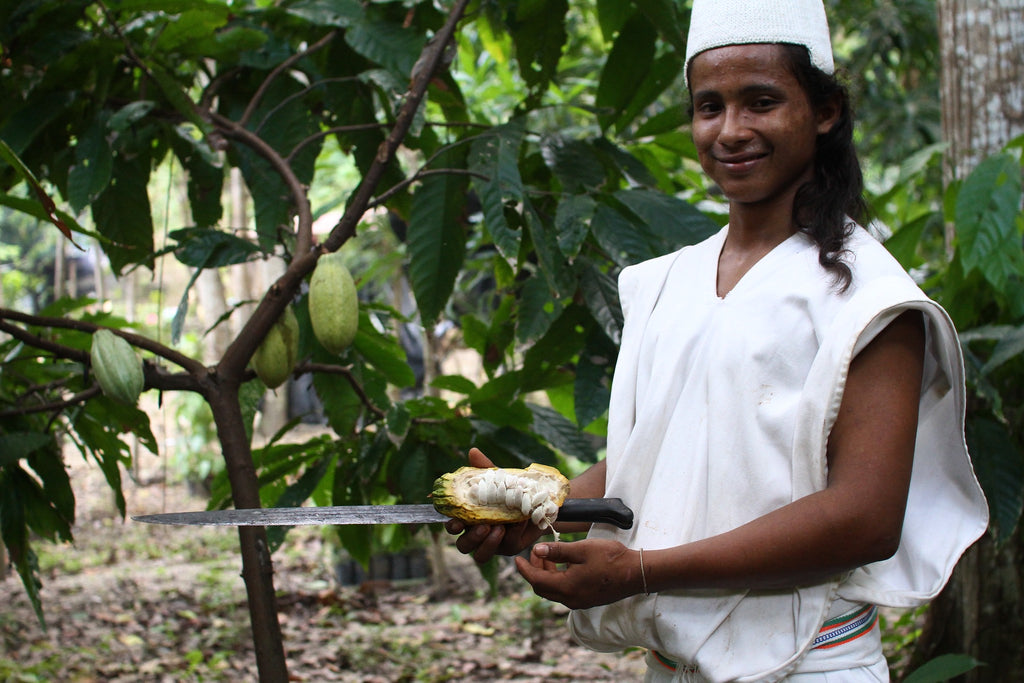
734 129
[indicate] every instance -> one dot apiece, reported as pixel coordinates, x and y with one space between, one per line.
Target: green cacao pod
275 357
333 304
496 495
117 367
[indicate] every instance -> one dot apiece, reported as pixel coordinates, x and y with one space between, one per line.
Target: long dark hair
823 208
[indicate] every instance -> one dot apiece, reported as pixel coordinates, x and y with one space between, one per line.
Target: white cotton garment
720 413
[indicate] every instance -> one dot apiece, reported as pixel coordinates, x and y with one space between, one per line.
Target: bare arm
855 520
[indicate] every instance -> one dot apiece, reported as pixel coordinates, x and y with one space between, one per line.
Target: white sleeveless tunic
720 413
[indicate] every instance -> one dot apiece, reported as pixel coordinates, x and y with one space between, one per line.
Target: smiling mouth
741 163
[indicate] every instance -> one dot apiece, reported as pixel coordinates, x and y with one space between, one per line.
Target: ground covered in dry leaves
131 602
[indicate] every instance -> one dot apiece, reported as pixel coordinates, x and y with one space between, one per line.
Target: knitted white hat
716 23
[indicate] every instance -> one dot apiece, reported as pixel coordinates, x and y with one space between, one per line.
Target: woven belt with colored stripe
837 631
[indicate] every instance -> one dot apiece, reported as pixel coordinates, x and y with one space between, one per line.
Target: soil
131 602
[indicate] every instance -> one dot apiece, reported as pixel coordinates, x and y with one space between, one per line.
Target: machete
594 510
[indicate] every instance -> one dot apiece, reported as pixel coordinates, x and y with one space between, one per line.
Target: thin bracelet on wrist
643 574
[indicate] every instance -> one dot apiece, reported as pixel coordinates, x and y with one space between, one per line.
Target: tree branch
281 292
190 365
346 372
277 70
430 59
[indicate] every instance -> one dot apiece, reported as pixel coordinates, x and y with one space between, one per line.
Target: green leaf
205 177
511 447
1010 346
627 66
495 155
93 166
553 265
572 222
207 248
561 433
560 345
987 210
390 45
537 310
122 213
601 294
384 353
591 390
671 222
575 163
17 445
340 13
538 32
943 668
14 534
665 15
619 236
454 383
436 238
999 464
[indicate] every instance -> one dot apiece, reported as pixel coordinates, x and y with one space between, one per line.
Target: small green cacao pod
117 367
333 304
275 357
495 495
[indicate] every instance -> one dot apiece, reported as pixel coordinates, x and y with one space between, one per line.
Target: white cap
717 23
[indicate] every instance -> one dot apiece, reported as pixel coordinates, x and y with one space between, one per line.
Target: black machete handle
596 510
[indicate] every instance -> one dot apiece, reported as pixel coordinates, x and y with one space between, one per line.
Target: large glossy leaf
391 45
601 295
93 167
494 160
205 177
626 68
561 433
384 353
14 483
17 445
943 668
987 220
538 32
437 238
999 464
591 389
673 24
672 222
537 310
122 213
572 222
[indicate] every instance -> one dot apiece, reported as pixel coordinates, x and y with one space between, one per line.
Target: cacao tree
98 94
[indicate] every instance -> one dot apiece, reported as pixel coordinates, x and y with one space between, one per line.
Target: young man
787 414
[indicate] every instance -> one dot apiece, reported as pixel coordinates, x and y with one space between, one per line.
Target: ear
828 113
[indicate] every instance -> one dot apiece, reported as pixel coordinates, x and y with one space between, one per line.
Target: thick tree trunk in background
982 47
981 612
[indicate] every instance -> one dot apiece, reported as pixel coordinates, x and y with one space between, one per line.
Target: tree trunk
981 611
257 568
982 52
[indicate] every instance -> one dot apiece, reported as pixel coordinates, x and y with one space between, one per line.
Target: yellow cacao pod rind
116 367
274 359
455 494
333 304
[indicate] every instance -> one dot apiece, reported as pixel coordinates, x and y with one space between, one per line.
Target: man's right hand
484 541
